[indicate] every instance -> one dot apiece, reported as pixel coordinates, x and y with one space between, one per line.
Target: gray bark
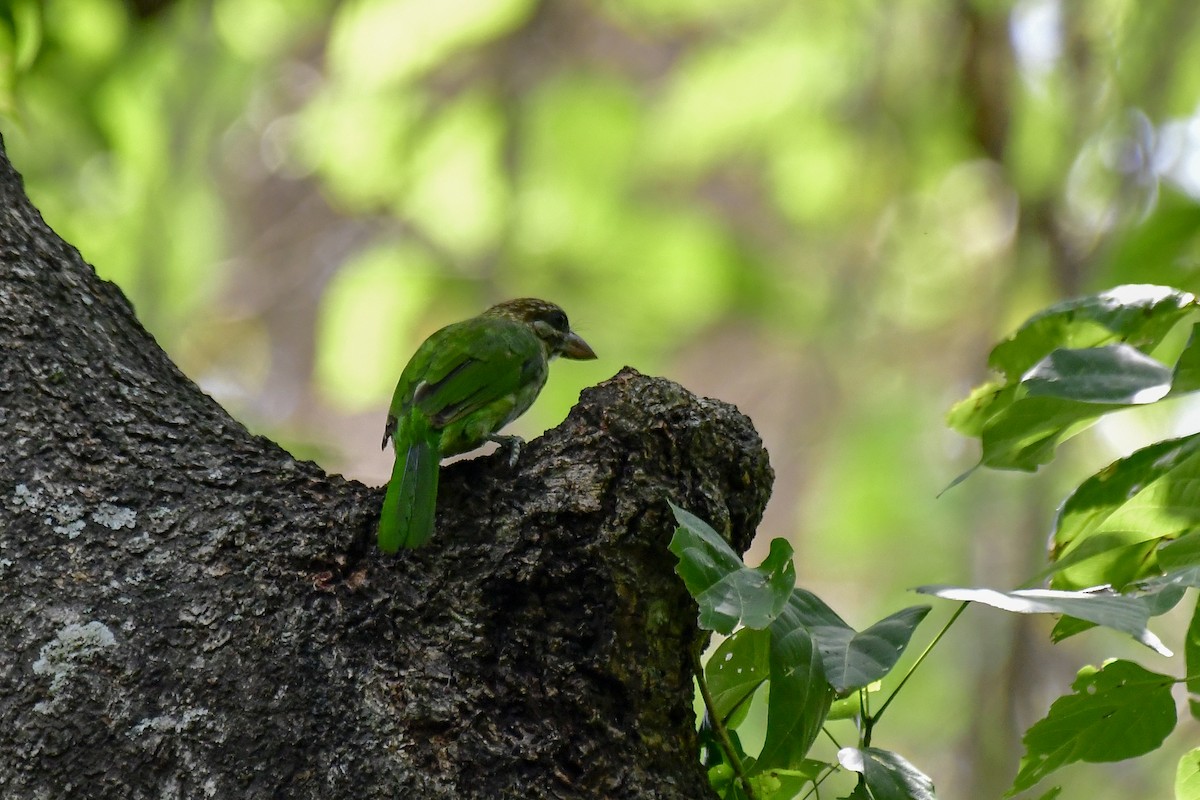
187 611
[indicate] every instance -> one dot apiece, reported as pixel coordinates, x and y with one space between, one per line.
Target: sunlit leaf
1108 530
888 775
1187 776
728 592
800 695
1191 657
1069 365
1123 613
1116 712
1025 434
386 41
736 670
1138 314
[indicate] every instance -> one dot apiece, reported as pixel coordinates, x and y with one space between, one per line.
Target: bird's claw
512 444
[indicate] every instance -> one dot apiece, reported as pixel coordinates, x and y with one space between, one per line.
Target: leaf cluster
1125 549
1126 542
786 642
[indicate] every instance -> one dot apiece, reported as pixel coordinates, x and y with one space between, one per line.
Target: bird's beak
576 348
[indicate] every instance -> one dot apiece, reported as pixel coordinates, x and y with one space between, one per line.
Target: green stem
722 735
864 713
821 779
869 722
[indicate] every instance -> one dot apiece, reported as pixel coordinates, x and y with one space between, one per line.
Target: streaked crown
549 323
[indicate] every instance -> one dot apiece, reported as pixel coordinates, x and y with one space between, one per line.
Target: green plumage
464 383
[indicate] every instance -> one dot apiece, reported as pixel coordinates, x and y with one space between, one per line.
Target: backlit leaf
1069 365
1191 655
1138 314
1187 776
1108 530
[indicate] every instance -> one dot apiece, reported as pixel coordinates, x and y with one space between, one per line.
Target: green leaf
851 706
1069 365
800 696
1116 373
853 660
1187 577
1067 627
727 591
736 670
1187 776
1108 530
1128 614
1053 793
1137 314
785 784
735 792
968 415
814 612
1191 657
1187 366
1181 553
1025 435
1164 595
888 775
1116 712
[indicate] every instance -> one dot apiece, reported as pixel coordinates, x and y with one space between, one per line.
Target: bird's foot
512 444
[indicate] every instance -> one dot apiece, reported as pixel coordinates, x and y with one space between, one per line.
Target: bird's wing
467 366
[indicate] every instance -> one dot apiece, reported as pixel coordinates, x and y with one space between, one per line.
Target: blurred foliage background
824 212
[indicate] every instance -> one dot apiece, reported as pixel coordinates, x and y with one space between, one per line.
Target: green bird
464 383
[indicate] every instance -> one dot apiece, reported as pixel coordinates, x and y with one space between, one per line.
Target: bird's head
549 324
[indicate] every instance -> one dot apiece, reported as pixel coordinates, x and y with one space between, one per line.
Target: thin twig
821 779
869 722
719 726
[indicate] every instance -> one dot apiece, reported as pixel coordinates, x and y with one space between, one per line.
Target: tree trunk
188 611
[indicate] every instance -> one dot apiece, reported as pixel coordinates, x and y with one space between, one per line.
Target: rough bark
187 611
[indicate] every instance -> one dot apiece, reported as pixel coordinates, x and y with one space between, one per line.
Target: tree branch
185 608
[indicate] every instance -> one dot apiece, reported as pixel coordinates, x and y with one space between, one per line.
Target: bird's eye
558 320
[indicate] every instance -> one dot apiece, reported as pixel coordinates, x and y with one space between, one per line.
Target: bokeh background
823 211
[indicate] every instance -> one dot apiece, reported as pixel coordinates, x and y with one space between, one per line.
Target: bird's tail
408 507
